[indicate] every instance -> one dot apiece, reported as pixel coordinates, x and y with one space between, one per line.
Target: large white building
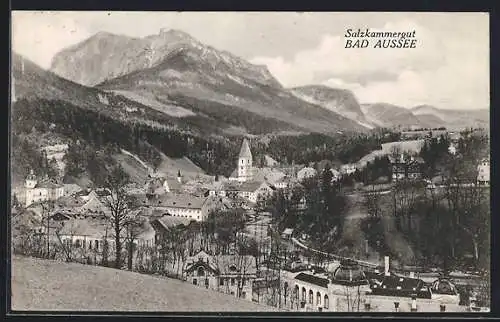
181 205
348 289
36 191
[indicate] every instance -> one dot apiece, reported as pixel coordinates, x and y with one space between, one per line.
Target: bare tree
120 205
47 209
405 194
372 202
353 297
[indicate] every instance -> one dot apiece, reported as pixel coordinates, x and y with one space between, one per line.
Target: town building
249 190
336 175
230 274
179 205
158 184
347 169
162 225
305 173
252 191
406 167
483 169
349 289
38 191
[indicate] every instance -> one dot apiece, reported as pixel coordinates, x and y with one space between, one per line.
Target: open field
49 285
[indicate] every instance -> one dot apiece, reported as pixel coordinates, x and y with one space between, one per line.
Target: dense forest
316 208
99 132
96 135
315 147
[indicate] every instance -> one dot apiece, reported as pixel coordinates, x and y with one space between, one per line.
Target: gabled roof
270 175
49 184
245 150
179 201
236 264
166 222
311 279
84 227
250 186
306 170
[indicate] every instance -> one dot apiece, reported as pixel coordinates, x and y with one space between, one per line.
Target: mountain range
172 77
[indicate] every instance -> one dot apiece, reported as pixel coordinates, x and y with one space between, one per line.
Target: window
243 294
96 244
318 298
311 297
242 162
195 281
303 294
78 243
207 283
201 271
221 281
326 302
244 282
232 281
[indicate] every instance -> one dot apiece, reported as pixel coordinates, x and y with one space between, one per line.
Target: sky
448 69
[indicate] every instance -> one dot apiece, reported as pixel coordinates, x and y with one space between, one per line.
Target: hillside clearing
413 146
57 286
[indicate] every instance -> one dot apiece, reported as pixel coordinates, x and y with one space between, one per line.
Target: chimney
414 303
386 266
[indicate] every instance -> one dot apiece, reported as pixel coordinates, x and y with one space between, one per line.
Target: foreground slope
56 286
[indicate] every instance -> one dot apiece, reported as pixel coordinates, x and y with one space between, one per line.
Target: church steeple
245 150
245 161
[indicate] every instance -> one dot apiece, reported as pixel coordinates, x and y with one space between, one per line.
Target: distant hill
454 118
340 101
388 115
424 116
173 68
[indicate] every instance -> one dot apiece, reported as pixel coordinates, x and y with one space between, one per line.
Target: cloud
40 35
444 71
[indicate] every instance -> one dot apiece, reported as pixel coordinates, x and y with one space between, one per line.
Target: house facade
305 173
405 167
180 205
230 274
347 169
38 191
483 169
